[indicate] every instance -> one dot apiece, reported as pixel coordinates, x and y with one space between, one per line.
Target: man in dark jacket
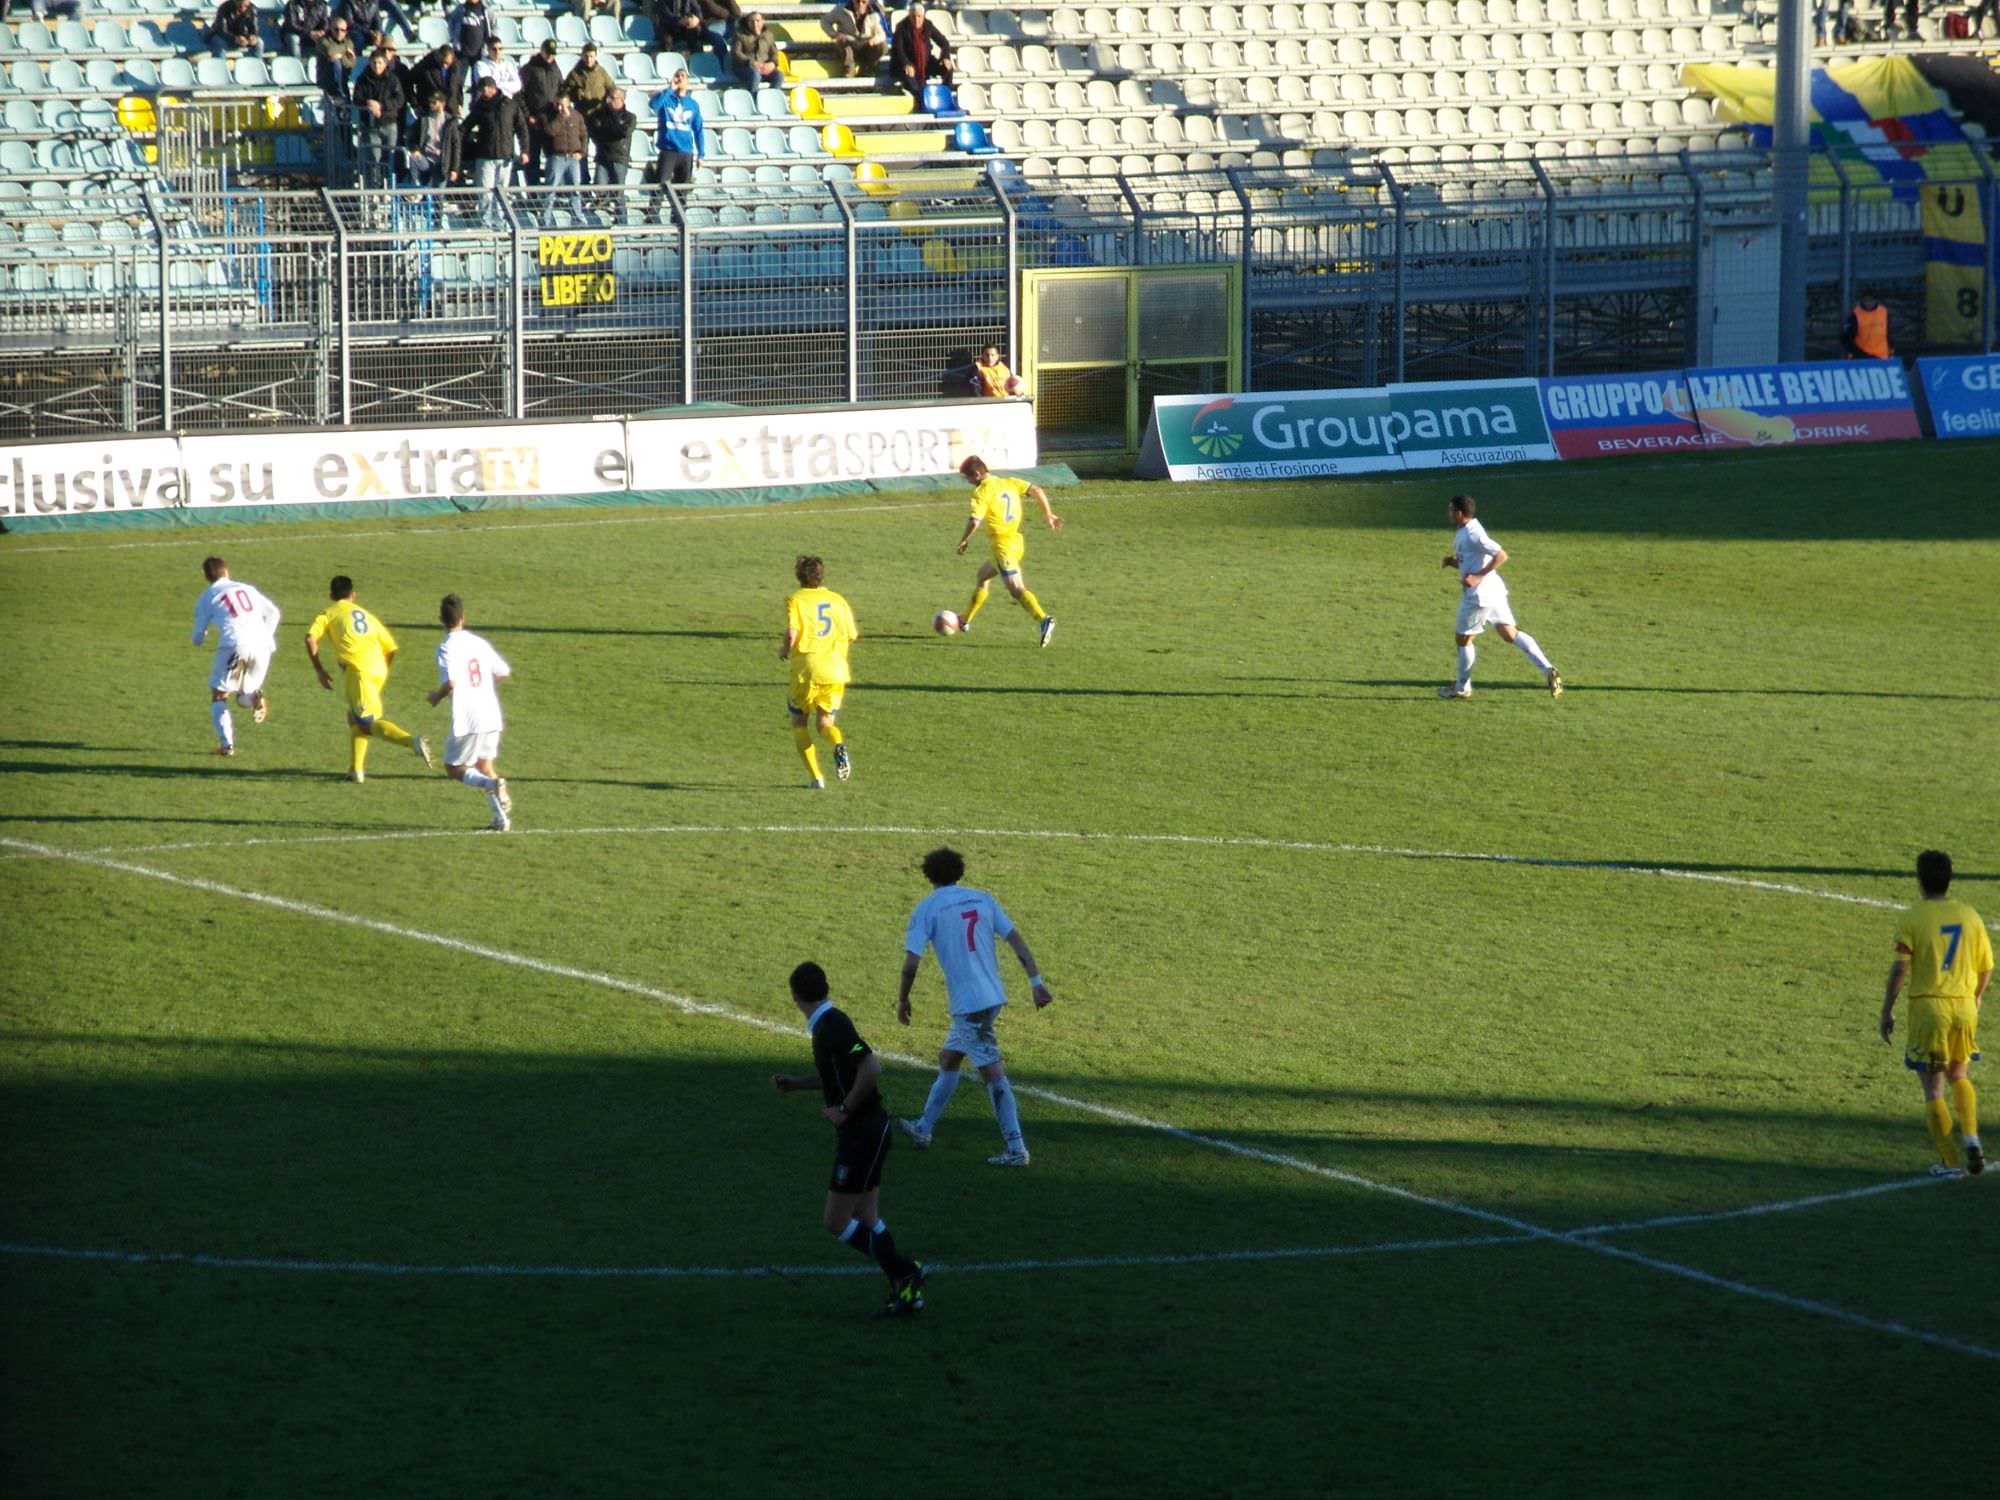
437 75
301 26
378 119
541 84
720 19
493 142
565 141
234 30
369 20
755 55
611 134
919 54
434 146
678 26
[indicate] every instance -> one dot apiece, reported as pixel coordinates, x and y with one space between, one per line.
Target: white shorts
237 674
1474 617
464 749
973 1035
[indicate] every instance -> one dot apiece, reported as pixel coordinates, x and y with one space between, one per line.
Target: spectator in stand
378 118
1909 18
434 149
991 375
588 85
856 29
335 57
234 30
368 19
920 54
679 139
467 26
720 19
437 75
1976 17
495 141
301 26
541 82
755 55
611 130
678 26
588 8
565 142
499 67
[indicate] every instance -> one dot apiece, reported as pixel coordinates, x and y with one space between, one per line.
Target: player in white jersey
469 673
960 925
246 625
1483 602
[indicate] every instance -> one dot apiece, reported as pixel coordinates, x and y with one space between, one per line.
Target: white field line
735 1273
1757 1210
1520 1227
1216 841
775 510
652 517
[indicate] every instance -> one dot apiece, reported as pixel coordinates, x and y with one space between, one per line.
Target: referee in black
848 1074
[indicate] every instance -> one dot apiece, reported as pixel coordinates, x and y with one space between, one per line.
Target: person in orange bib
1865 335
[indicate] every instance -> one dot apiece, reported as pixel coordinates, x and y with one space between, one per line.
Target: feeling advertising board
1964 395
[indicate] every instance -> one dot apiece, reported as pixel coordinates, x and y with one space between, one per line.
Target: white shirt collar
813 1019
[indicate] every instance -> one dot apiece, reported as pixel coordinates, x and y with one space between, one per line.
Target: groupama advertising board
1293 434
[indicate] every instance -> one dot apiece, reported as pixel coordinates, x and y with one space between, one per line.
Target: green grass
1782 669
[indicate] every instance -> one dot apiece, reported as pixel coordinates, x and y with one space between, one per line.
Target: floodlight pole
1791 156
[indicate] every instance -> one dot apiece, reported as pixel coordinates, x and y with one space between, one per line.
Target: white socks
1002 1094
480 783
940 1097
1466 656
1533 651
224 729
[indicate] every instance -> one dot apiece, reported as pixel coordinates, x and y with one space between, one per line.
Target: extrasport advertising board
1964 394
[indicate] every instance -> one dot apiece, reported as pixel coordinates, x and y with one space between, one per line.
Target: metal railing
209 306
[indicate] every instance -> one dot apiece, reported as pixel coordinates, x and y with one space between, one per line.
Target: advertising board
1964 395
1834 401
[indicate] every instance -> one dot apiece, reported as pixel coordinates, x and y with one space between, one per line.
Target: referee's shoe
907 1299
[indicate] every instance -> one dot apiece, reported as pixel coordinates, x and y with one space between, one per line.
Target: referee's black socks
879 1244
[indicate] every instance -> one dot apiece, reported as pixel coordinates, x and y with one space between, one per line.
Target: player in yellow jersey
1943 951
819 627
365 649
1000 503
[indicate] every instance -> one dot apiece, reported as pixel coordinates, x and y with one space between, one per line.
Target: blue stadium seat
970 137
705 69
639 30
184 35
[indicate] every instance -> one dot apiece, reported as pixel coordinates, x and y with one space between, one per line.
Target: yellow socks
392 733
978 603
1965 1100
1937 1119
1033 605
803 738
834 736
357 748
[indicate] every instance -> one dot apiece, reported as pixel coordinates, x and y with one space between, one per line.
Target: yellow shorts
809 697
1941 1033
1007 554
364 694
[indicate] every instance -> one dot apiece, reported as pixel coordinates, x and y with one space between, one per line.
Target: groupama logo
1211 435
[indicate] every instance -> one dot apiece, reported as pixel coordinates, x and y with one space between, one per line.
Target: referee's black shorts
859 1149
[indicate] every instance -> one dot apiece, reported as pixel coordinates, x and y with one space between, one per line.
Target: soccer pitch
1440 1097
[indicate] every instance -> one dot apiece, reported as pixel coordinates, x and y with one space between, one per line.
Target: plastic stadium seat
970 137
534 30
176 73
251 73
35 36
736 141
771 141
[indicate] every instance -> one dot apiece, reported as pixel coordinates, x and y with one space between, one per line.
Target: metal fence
205 306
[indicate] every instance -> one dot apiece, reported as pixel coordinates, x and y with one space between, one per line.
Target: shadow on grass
1008 690
207 766
1484 687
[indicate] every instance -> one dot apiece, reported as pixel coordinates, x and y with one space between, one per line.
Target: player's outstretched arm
910 962
1019 944
1898 971
1041 497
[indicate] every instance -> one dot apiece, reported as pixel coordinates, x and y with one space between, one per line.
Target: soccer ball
947 623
